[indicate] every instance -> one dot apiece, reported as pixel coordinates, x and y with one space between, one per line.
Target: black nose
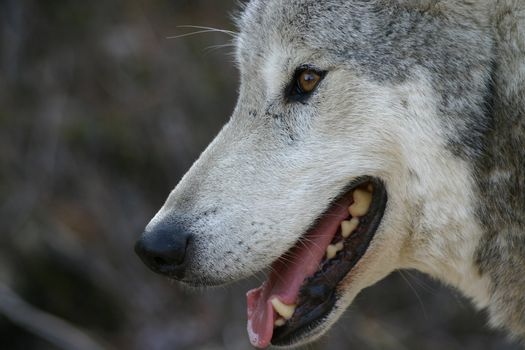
164 248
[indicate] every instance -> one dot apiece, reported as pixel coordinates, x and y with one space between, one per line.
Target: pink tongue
289 272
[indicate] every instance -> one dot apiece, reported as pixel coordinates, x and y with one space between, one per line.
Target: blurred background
100 116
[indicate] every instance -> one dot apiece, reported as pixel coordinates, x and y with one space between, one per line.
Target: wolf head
391 98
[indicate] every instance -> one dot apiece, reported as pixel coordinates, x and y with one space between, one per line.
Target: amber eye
304 82
308 80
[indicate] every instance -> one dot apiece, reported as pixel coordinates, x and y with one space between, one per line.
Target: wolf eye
308 80
304 83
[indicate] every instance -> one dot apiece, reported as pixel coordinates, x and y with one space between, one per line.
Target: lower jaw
320 292
305 334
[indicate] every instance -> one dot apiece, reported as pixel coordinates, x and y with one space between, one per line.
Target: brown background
100 115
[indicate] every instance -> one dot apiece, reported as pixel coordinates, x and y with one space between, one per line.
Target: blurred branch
51 328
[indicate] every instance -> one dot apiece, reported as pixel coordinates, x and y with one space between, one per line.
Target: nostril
159 261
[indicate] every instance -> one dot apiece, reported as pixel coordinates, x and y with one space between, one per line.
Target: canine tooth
279 322
362 200
286 311
348 226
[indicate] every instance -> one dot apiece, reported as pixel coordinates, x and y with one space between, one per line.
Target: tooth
362 200
348 226
279 322
332 250
286 311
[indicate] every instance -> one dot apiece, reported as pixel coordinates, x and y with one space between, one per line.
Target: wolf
369 136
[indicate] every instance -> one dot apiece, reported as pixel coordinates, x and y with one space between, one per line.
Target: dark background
100 115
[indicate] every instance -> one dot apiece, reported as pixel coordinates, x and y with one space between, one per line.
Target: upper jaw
317 323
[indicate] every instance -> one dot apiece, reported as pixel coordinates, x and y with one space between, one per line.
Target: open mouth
302 286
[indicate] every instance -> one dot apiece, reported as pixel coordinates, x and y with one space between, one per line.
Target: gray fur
385 40
273 169
483 103
501 177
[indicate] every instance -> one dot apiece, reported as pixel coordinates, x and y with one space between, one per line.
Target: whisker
277 274
206 29
416 293
305 240
189 34
214 48
420 282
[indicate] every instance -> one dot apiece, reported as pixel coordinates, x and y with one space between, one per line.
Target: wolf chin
369 136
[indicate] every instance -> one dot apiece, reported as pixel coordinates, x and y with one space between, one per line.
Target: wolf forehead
383 39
